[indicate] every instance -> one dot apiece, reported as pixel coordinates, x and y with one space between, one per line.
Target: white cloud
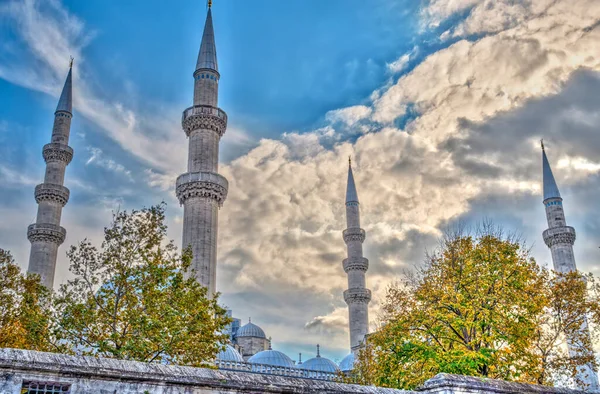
399 64
349 115
97 158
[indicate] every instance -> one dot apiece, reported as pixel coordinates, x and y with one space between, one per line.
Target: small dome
347 363
250 330
230 354
271 357
321 364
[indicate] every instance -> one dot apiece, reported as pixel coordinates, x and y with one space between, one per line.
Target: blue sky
440 102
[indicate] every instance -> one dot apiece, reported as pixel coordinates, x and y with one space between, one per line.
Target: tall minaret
46 234
560 239
202 190
357 296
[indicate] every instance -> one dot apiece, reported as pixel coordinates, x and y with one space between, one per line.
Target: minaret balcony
46 232
559 236
204 117
354 234
357 295
52 192
355 264
202 184
56 151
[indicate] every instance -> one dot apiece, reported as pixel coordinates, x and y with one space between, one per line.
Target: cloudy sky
441 103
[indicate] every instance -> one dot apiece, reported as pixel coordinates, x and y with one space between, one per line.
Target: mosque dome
321 364
230 354
347 363
271 357
250 330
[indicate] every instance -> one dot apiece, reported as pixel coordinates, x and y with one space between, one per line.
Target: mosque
202 191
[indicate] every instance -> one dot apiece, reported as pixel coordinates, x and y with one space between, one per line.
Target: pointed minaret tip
65 102
207 57
550 187
351 195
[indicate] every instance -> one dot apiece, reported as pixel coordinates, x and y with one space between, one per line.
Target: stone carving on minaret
202 190
560 238
46 234
357 296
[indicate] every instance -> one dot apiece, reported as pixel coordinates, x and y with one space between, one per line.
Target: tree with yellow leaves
131 299
481 306
24 306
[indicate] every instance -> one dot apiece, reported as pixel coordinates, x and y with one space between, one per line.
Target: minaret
560 239
46 234
357 296
202 190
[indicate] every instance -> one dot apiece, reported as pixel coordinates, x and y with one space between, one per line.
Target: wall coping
444 381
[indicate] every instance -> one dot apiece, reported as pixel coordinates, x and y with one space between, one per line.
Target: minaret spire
202 190
357 296
46 234
560 238
207 56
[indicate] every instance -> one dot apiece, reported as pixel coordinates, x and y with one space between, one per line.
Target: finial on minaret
349 161
270 346
209 3
71 62
542 143
318 350
249 320
299 358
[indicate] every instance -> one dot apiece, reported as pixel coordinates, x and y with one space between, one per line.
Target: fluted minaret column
560 238
202 190
46 234
357 296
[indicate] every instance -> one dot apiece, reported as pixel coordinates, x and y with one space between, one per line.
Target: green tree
480 306
131 299
24 305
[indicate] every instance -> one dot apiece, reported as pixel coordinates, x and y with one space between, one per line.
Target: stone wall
87 375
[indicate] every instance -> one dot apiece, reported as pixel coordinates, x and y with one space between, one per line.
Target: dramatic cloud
453 139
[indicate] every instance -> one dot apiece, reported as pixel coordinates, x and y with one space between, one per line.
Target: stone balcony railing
204 117
46 232
354 234
559 235
201 184
56 151
357 295
51 192
275 370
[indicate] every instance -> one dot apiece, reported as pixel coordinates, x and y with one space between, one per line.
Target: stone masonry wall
87 375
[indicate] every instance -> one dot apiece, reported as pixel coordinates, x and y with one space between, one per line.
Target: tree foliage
131 298
24 306
481 306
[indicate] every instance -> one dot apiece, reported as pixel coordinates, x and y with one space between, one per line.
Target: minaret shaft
560 238
46 234
357 296
202 190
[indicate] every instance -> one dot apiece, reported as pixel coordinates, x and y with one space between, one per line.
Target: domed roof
250 330
230 354
347 363
319 363
271 357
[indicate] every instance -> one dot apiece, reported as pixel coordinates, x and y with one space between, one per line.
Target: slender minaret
202 190
46 234
560 239
357 296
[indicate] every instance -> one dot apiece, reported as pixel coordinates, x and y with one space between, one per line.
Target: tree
24 302
480 306
131 299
